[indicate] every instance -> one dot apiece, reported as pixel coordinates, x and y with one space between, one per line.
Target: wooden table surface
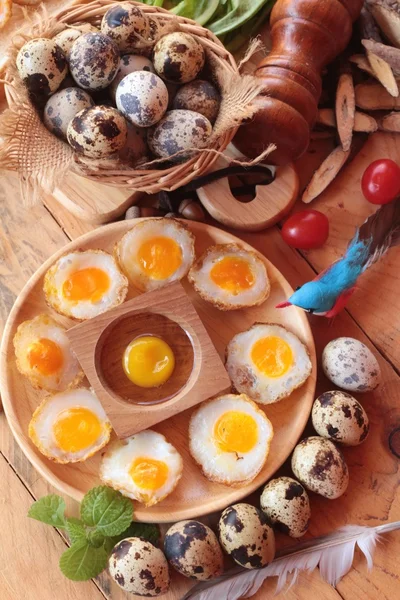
29 551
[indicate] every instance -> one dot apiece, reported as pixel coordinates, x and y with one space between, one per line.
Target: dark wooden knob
306 35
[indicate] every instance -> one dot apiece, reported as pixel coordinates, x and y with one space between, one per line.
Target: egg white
199 276
75 261
46 414
229 468
248 379
117 460
127 249
44 326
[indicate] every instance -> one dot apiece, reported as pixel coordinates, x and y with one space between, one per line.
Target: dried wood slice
390 122
373 96
362 62
387 53
325 174
345 109
326 116
383 73
388 18
5 12
362 122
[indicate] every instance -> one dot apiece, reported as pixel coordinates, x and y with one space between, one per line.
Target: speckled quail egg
139 567
320 467
66 38
178 57
127 25
135 148
339 417
285 503
94 61
142 97
177 132
245 535
62 107
200 96
97 132
350 365
193 550
42 66
130 63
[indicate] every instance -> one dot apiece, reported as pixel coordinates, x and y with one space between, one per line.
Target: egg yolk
149 473
272 356
236 431
76 429
233 274
148 361
86 285
160 257
45 356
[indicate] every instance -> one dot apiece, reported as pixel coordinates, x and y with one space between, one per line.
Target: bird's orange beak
283 305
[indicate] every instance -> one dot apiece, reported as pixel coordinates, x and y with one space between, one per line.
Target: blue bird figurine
329 292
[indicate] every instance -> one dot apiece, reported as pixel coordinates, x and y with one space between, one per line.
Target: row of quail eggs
125 90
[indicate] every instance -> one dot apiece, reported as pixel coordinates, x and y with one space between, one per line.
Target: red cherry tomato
380 183
306 229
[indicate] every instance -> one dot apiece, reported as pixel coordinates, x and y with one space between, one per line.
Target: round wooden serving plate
195 495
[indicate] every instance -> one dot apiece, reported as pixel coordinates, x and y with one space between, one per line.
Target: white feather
333 554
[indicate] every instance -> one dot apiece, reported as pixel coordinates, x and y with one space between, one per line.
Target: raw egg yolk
45 356
149 473
76 429
148 361
232 274
160 257
236 431
86 285
272 356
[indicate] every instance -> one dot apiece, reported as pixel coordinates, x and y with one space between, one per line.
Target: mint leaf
49 509
146 531
96 539
82 561
107 510
75 529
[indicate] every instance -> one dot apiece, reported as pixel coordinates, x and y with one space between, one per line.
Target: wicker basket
42 159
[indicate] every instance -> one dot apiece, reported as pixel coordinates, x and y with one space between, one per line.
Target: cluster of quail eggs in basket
124 90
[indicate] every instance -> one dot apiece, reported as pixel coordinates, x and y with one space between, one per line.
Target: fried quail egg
178 134
70 426
230 277
245 535
193 550
156 252
286 505
97 132
320 466
142 97
230 438
144 467
267 362
66 38
178 57
44 355
62 107
127 25
94 61
84 284
42 66
350 365
130 63
139 567
339 417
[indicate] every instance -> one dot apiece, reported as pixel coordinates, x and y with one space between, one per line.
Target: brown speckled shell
62 107
178 57
178 131
127 25
139 568
193 550
246 536
94 61
66 38
201 97
350 365
130 63
135 147
142 97
286 505
338 416
42 66
320 467
97 132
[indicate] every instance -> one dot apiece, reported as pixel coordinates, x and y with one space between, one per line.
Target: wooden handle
306 35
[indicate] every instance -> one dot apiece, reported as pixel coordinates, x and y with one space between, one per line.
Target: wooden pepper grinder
306 35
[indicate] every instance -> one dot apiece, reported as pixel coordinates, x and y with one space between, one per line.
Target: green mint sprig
106 518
